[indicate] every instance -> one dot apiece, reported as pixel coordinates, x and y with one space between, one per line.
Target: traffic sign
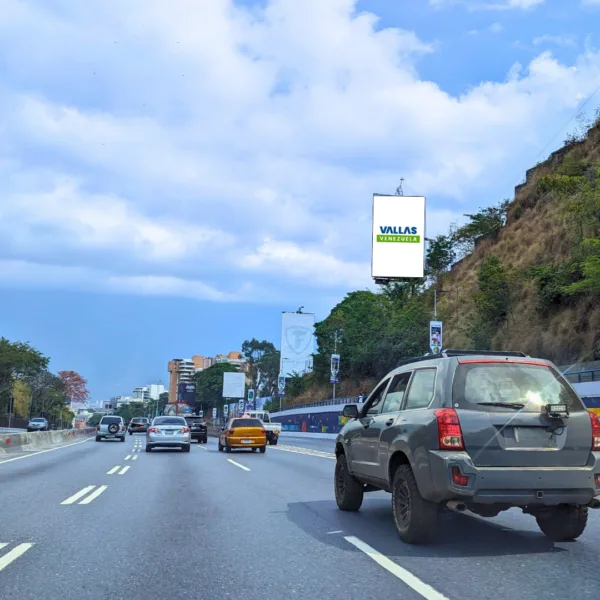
214 413
225 410
241 405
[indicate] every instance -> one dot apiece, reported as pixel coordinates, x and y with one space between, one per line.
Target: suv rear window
139 420
246 423
109 420
477 384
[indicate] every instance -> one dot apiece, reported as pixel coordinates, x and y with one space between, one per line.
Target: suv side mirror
351 411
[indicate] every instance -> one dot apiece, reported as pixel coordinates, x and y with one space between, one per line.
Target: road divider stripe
124 470
44 451
128 457
135 457
94 494
237 464
15 553
113 470
412 581
79 494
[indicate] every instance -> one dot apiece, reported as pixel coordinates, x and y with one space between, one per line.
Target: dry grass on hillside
539 236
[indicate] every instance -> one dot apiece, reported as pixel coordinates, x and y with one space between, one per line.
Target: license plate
169 432
246 441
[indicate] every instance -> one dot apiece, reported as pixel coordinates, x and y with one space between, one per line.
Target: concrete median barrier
21 442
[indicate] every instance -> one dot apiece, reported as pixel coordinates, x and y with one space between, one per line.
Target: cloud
557 40
478 5
213 150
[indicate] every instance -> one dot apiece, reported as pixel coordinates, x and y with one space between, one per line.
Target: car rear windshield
110 420
194 419
139 420
169 421
246 423
38 420
489 386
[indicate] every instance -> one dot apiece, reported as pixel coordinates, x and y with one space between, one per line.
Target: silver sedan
168 432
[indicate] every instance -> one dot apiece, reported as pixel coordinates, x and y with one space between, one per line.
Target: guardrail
15 442
583 376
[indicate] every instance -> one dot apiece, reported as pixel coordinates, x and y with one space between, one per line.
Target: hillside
523 274
547 245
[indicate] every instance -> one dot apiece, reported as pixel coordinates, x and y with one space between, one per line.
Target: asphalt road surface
103 521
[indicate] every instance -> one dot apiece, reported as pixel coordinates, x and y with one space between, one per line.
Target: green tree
440 254
17 361
261 357
209 386
94 420
492 302
487 222
131 410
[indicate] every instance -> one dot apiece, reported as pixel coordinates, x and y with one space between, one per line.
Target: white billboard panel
234 385
297 343
398 237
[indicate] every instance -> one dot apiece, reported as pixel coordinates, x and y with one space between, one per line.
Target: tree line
29 389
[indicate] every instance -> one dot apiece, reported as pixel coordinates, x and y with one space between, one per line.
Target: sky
176 174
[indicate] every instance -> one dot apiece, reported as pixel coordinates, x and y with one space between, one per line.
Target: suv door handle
389 422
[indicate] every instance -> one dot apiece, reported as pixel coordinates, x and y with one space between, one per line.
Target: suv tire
98 438
415 518
564 523
349 492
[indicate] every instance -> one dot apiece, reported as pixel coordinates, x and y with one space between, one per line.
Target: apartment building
182 370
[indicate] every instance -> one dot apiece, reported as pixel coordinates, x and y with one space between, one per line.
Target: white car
169 432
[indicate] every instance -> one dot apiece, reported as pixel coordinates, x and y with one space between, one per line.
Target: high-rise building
141 394
182 370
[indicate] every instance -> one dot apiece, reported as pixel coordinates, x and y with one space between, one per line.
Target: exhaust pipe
457 506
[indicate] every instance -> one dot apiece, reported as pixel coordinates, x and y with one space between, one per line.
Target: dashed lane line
128 457
237 464
11 556
80 494
135 457
124 470
305 451
412 581
94 494
113 470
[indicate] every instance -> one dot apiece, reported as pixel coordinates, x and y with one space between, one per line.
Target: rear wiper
515 405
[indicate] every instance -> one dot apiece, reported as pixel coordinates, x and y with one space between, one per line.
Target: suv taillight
449 432
595 431
98 428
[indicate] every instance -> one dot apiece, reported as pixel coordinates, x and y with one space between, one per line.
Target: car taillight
449 432
263 431
595 431
231 431
184 430
153 430
458 478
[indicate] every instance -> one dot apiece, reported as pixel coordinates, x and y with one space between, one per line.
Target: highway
100 521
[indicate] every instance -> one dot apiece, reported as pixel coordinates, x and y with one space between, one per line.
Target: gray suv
477 431
111 427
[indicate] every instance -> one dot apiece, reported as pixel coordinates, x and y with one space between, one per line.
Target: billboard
398 237
186 393
297 343
234 385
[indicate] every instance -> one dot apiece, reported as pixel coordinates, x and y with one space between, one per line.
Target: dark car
477 431
198 428
139 425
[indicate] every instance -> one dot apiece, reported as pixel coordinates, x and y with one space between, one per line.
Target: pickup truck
273 429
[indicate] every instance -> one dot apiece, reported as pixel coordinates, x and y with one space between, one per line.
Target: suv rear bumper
515 486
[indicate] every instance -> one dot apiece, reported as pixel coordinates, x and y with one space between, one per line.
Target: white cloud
210 150
476 5
557 40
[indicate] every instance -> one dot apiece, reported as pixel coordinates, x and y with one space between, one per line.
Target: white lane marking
305 451
44 451
124 470
13 555
113 470
423 589
238 464
202 448
332 532
128 457
135 457
94 494
78 495
3 545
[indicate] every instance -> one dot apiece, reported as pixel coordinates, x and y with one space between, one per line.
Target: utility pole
336 335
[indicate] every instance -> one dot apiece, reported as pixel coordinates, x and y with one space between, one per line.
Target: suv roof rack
448 353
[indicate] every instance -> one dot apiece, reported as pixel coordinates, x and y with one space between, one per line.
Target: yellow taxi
243 432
